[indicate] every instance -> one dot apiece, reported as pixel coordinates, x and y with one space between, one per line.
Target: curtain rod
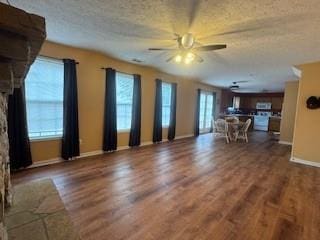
61 59
103 68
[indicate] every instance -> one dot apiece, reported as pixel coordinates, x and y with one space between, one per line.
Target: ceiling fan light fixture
186 50
187 61
187 40
178 58
234 87
190 56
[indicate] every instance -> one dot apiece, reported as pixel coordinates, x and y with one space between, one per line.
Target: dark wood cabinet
248 101
274 124
226 100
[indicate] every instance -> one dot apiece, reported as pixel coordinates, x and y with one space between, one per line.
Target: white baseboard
305 162
285 143
184 136
59 160
46 162
95 153
146 143
90 154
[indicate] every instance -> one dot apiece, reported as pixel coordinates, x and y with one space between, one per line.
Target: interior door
207 111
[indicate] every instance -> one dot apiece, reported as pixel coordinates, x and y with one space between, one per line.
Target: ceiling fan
235 85
187 52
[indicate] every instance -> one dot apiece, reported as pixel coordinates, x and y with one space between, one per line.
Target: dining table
233 129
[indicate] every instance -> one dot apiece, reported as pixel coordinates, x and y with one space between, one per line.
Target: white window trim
124 130
46 138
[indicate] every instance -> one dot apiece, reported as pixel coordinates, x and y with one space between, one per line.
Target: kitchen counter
272 125
236 115
245 115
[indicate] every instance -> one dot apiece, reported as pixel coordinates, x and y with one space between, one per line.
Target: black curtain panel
197 114
213 110
157 124
70 137
19 144
110 112
172 124
135 131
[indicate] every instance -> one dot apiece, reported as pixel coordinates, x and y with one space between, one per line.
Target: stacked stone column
5 185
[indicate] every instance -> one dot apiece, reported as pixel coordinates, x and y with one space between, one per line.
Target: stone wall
21 37
5 186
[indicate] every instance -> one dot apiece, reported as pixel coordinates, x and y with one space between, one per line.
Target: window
166 104
124 93
236 102
207 105
44 98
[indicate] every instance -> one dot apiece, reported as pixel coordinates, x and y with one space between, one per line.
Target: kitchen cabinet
277 103
249 101
245 102
274 124
226 100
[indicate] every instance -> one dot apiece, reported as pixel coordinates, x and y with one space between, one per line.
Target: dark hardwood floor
190 189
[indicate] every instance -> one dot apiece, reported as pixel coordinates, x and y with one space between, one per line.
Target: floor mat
38 213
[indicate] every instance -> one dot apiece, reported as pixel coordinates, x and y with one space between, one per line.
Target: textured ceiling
264 37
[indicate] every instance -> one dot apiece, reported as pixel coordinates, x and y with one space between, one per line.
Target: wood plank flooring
190 189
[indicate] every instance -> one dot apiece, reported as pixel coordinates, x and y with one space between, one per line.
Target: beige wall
91 84
306 144
289 111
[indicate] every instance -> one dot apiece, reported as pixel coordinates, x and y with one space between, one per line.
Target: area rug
38 213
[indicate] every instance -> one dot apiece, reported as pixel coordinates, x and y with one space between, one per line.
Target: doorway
207 111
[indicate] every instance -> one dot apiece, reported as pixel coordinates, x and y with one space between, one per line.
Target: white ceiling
264 37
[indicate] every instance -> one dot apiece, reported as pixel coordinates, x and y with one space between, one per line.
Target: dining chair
243 131
221 128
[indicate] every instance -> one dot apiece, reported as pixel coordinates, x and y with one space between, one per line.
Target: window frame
169 84
48 137
124 130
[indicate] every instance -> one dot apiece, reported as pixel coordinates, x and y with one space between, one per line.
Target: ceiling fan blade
243 81
176 36
161 49
194 10
211 47
236 31
239 31
256 26
234 87
200 59
170 58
